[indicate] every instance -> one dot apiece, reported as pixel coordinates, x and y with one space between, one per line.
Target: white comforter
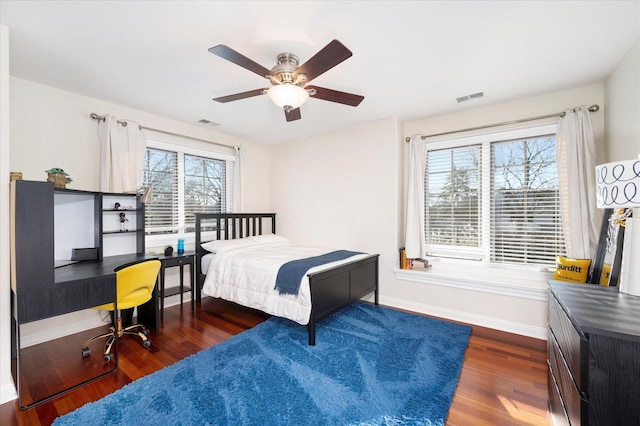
247 275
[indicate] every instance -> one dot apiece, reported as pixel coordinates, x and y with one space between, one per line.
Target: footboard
335 288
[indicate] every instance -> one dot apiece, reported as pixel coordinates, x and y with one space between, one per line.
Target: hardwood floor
503 380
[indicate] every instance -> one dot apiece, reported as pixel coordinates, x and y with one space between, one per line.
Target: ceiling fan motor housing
283 71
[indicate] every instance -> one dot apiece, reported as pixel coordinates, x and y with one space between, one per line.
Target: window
494 198
184 181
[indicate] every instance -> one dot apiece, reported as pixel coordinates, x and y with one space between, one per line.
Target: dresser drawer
572 399
570 342
556 407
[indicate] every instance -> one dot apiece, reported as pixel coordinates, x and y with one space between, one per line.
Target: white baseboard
466 317
8 393
66 325
63 325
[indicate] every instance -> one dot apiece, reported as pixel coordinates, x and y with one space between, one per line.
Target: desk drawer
570 342
178 261
574 404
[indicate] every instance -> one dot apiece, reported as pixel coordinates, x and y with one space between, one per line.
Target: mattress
245 273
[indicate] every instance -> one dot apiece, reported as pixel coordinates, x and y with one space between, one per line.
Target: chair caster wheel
108 357
146 331
86 352
146 343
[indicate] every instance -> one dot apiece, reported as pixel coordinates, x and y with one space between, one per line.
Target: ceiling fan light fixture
288 96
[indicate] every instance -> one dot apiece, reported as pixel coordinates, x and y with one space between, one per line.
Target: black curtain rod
592 108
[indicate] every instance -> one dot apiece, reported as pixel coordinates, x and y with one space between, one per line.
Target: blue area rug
371 366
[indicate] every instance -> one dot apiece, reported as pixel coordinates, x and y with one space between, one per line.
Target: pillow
575 270
269 238
219 246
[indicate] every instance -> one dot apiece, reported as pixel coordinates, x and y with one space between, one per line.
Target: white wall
7 390
52 128
340 191
550 103
622 116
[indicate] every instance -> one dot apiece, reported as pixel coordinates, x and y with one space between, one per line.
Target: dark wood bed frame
331 290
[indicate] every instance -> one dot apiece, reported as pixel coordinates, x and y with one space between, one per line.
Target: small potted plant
59 177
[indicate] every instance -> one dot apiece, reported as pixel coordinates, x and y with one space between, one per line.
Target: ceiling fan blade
238 96
292 115
239 59
335 96
328 57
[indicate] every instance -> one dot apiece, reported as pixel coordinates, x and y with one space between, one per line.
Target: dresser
593 355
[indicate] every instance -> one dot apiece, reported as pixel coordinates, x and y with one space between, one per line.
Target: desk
186 258
41 216
81 286
75 287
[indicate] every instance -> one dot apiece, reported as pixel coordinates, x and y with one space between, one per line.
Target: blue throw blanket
290 274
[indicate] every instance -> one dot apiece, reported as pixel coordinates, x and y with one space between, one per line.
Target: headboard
227 226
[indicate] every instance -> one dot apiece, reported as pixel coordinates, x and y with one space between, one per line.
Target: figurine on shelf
59 177
116 206
123 222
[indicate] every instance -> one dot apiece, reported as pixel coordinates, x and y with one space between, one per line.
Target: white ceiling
411 59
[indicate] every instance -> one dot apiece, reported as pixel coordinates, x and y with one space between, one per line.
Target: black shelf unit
139 210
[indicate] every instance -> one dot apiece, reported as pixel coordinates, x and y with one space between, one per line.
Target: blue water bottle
180 245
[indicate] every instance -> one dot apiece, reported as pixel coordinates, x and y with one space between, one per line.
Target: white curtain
414 234
576 157
122 151
237 180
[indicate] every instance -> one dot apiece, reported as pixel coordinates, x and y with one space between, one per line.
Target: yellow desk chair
134 287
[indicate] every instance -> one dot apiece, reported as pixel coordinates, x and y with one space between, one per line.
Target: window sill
506 282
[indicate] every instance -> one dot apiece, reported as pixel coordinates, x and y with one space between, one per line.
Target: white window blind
183 182
453 200
494 198
160 172
205 187
525 203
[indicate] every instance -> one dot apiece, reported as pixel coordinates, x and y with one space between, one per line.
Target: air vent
208 122
470 97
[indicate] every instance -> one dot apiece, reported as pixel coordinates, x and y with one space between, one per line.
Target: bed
325 289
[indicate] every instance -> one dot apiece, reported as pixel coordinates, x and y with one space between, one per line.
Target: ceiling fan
288 80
